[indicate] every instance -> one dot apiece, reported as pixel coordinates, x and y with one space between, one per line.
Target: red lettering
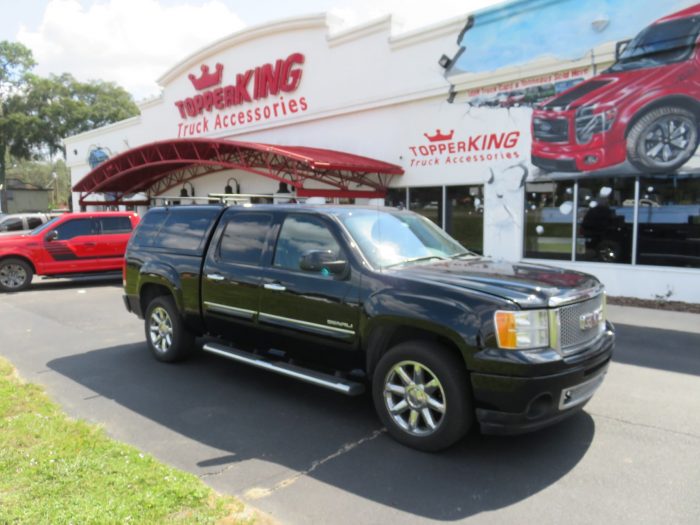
472 143
269 79
208 100
181 108
229 96
198 104
219 98
293 106
302 103
241 117
511 139
291 76
190 108
257 114
242 94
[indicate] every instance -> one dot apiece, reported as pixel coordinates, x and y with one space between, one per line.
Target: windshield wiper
417 259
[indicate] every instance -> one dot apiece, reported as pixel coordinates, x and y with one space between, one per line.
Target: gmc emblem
591 319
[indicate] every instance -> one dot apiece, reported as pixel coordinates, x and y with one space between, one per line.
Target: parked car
69 245
350 297
645 108
17 223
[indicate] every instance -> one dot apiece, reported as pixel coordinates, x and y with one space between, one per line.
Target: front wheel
662 140
421 393
168 338
15 275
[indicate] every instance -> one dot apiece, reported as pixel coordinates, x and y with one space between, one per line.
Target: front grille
572 335
551 129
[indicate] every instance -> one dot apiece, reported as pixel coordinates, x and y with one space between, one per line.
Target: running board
331 382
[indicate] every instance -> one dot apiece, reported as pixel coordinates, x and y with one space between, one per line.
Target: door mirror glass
323 261
620 47
52 236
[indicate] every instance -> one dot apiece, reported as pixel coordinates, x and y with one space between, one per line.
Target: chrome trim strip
306 324
230 310
575 296
349 388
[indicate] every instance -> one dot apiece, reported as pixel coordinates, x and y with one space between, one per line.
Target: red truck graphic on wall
645 108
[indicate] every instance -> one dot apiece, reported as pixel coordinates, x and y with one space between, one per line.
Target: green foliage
50 175
55 470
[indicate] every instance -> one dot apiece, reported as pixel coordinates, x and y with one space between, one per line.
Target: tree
37 112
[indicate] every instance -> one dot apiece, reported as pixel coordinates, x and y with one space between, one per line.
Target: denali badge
339 324
591 319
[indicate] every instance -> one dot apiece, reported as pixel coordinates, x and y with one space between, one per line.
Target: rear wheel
421 393
168 338
663 139
15 275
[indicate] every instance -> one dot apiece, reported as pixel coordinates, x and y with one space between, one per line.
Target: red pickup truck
645 108
72 244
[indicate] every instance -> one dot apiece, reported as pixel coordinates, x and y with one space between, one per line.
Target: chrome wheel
668 139
415 398
160 329
12 276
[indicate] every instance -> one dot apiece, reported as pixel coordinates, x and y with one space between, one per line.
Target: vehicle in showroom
645 108
69 245
349 297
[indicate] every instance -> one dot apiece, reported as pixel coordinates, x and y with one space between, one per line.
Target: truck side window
244 238
299 234
12 225
75 228
111 225
34 222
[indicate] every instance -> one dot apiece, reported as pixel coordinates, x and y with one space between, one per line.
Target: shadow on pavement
247 413
668 350
88 281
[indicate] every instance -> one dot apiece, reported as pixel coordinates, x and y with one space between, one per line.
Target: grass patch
57 470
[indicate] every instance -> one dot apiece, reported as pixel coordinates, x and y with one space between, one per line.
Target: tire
425 419
167 337
15 275
662 140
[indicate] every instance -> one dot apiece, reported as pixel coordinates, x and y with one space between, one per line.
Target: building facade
529 132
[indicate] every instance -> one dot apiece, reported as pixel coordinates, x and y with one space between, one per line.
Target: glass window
299 234
605 219
110 225
147 229
396 197
244 238
464 215
33 222
13 224
549 218
186 228
427 202
669 221
75 228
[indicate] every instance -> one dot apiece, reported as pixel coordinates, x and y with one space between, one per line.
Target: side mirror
51 236
320 261
620 47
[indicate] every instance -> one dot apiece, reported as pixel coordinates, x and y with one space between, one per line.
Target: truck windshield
659 44
43 227
393 238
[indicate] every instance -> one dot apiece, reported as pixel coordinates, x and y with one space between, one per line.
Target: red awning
157 167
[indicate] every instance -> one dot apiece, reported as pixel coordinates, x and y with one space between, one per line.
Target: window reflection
464 216
605 220
549 212
427 202
669 221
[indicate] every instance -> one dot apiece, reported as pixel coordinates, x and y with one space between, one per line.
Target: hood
528 285
612 89
13 240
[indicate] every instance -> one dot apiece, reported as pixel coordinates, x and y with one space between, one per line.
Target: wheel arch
681 101
20 257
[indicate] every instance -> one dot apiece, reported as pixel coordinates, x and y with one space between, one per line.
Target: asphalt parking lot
305 455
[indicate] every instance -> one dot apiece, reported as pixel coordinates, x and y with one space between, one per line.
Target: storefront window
669 221
427 202
605 219
549 216
464 215
396 197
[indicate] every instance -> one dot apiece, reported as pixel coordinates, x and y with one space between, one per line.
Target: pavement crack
262 492
644 425
217 472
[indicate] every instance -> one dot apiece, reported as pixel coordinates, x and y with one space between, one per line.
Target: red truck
645 108
72 244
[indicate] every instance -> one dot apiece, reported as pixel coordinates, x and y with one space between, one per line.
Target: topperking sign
255 95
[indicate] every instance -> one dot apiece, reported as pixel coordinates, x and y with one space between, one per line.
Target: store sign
442 148
215 107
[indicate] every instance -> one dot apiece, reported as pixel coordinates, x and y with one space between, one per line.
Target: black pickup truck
346 297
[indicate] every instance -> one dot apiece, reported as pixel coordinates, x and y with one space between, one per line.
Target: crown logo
206 79
439 137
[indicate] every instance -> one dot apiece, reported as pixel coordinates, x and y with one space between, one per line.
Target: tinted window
33 222
110 225
148 228
186 229
299 234
244 238
75 228
11 225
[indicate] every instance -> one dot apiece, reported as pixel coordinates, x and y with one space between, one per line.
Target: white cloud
130 42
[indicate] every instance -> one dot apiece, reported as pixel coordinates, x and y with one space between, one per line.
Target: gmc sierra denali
352 297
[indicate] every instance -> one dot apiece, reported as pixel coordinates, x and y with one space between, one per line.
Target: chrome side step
337 384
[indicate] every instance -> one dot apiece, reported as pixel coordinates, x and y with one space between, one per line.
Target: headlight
590 121
522 330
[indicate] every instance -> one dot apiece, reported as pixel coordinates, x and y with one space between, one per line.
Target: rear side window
148 228
110 225
11 225
243 239
33 222
75 228
186 229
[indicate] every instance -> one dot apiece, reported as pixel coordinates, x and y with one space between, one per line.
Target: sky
133 42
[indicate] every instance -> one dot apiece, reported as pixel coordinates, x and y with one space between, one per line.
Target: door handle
275 287
215 277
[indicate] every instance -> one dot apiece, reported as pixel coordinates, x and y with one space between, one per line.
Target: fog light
590 159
